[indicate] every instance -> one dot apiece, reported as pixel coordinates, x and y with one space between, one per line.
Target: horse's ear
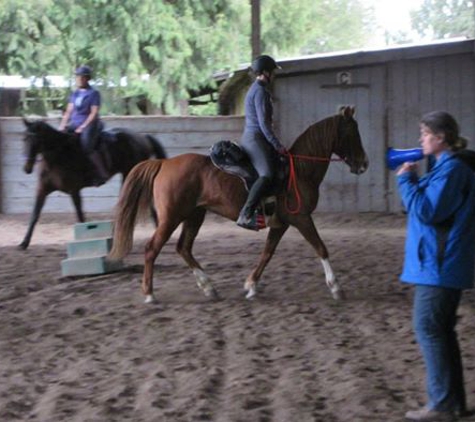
26 122
347 111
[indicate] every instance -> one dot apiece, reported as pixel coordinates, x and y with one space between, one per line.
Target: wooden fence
176 134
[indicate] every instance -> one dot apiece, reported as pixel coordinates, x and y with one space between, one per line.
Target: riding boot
248 217
99 173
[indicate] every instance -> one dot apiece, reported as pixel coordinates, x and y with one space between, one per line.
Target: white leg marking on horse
251 292
150 299
204 282
330 279
250 287
248 284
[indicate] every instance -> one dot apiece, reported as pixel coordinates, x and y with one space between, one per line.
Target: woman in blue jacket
439 259
259 140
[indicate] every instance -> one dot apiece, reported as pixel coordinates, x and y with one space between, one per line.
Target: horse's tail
158 150
135 197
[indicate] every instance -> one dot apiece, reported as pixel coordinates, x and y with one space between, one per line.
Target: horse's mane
316 139
52 137
43 128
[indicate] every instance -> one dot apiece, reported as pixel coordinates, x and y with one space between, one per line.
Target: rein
312 158
292 183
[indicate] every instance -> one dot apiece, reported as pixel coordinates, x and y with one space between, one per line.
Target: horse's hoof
150 299
338 294
22 246
251 293
212 293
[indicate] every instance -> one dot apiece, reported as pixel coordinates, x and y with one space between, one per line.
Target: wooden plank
465 115
59 203
178 135
168 124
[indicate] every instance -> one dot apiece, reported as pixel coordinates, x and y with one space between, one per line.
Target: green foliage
209 109
438 19
313 26
161 49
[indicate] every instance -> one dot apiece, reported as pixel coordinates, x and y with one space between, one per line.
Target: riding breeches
263 157
260 152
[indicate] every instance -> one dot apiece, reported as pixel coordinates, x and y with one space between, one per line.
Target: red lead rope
292 184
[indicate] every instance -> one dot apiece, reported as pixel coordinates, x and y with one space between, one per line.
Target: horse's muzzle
359 167
28 167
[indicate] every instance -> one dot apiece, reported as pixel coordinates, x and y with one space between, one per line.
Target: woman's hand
407 167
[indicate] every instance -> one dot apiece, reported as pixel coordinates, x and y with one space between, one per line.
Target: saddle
105 143
229 157
100 158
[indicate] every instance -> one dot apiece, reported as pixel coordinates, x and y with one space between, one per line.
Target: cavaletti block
87 254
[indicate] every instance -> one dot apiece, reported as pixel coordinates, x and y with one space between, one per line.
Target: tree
438 19
162 49
314 26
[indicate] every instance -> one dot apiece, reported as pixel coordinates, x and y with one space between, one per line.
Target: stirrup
256 222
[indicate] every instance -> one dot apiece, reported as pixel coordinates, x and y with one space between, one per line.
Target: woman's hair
443 124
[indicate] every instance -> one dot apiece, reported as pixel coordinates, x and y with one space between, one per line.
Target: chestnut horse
184 187
63 163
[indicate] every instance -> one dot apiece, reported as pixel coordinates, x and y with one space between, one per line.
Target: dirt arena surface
88 349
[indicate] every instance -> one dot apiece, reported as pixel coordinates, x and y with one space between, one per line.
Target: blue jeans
434 319
90 135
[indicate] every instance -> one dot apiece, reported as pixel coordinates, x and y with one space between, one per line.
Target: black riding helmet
83 71
264 63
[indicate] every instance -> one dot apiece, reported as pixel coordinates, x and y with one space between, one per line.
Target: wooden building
391 90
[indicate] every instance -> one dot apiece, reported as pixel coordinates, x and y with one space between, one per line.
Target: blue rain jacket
440 243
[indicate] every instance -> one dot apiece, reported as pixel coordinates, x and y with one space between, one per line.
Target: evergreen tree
159 50
439 19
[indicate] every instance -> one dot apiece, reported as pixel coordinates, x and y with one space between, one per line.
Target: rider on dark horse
259 140
82 117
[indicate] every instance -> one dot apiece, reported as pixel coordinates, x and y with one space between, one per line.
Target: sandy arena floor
83 349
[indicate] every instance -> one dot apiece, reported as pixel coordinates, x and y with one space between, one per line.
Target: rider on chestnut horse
259 140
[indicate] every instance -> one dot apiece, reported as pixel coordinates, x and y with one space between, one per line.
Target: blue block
89 247
89 266
93 230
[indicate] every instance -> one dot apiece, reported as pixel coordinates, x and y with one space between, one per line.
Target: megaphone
395 157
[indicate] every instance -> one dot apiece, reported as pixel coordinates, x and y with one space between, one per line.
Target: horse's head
32 144
348 145
39 137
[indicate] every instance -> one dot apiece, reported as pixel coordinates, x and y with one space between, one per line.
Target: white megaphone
395 157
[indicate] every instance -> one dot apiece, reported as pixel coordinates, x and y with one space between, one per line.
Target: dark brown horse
183 188
63 164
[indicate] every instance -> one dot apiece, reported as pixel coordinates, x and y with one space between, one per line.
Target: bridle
292 182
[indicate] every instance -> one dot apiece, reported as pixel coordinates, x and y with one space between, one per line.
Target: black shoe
255 222
98 182
465 413
247 223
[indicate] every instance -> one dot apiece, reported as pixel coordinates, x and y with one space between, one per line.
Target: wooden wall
416 87
306 99
176 134
391 91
